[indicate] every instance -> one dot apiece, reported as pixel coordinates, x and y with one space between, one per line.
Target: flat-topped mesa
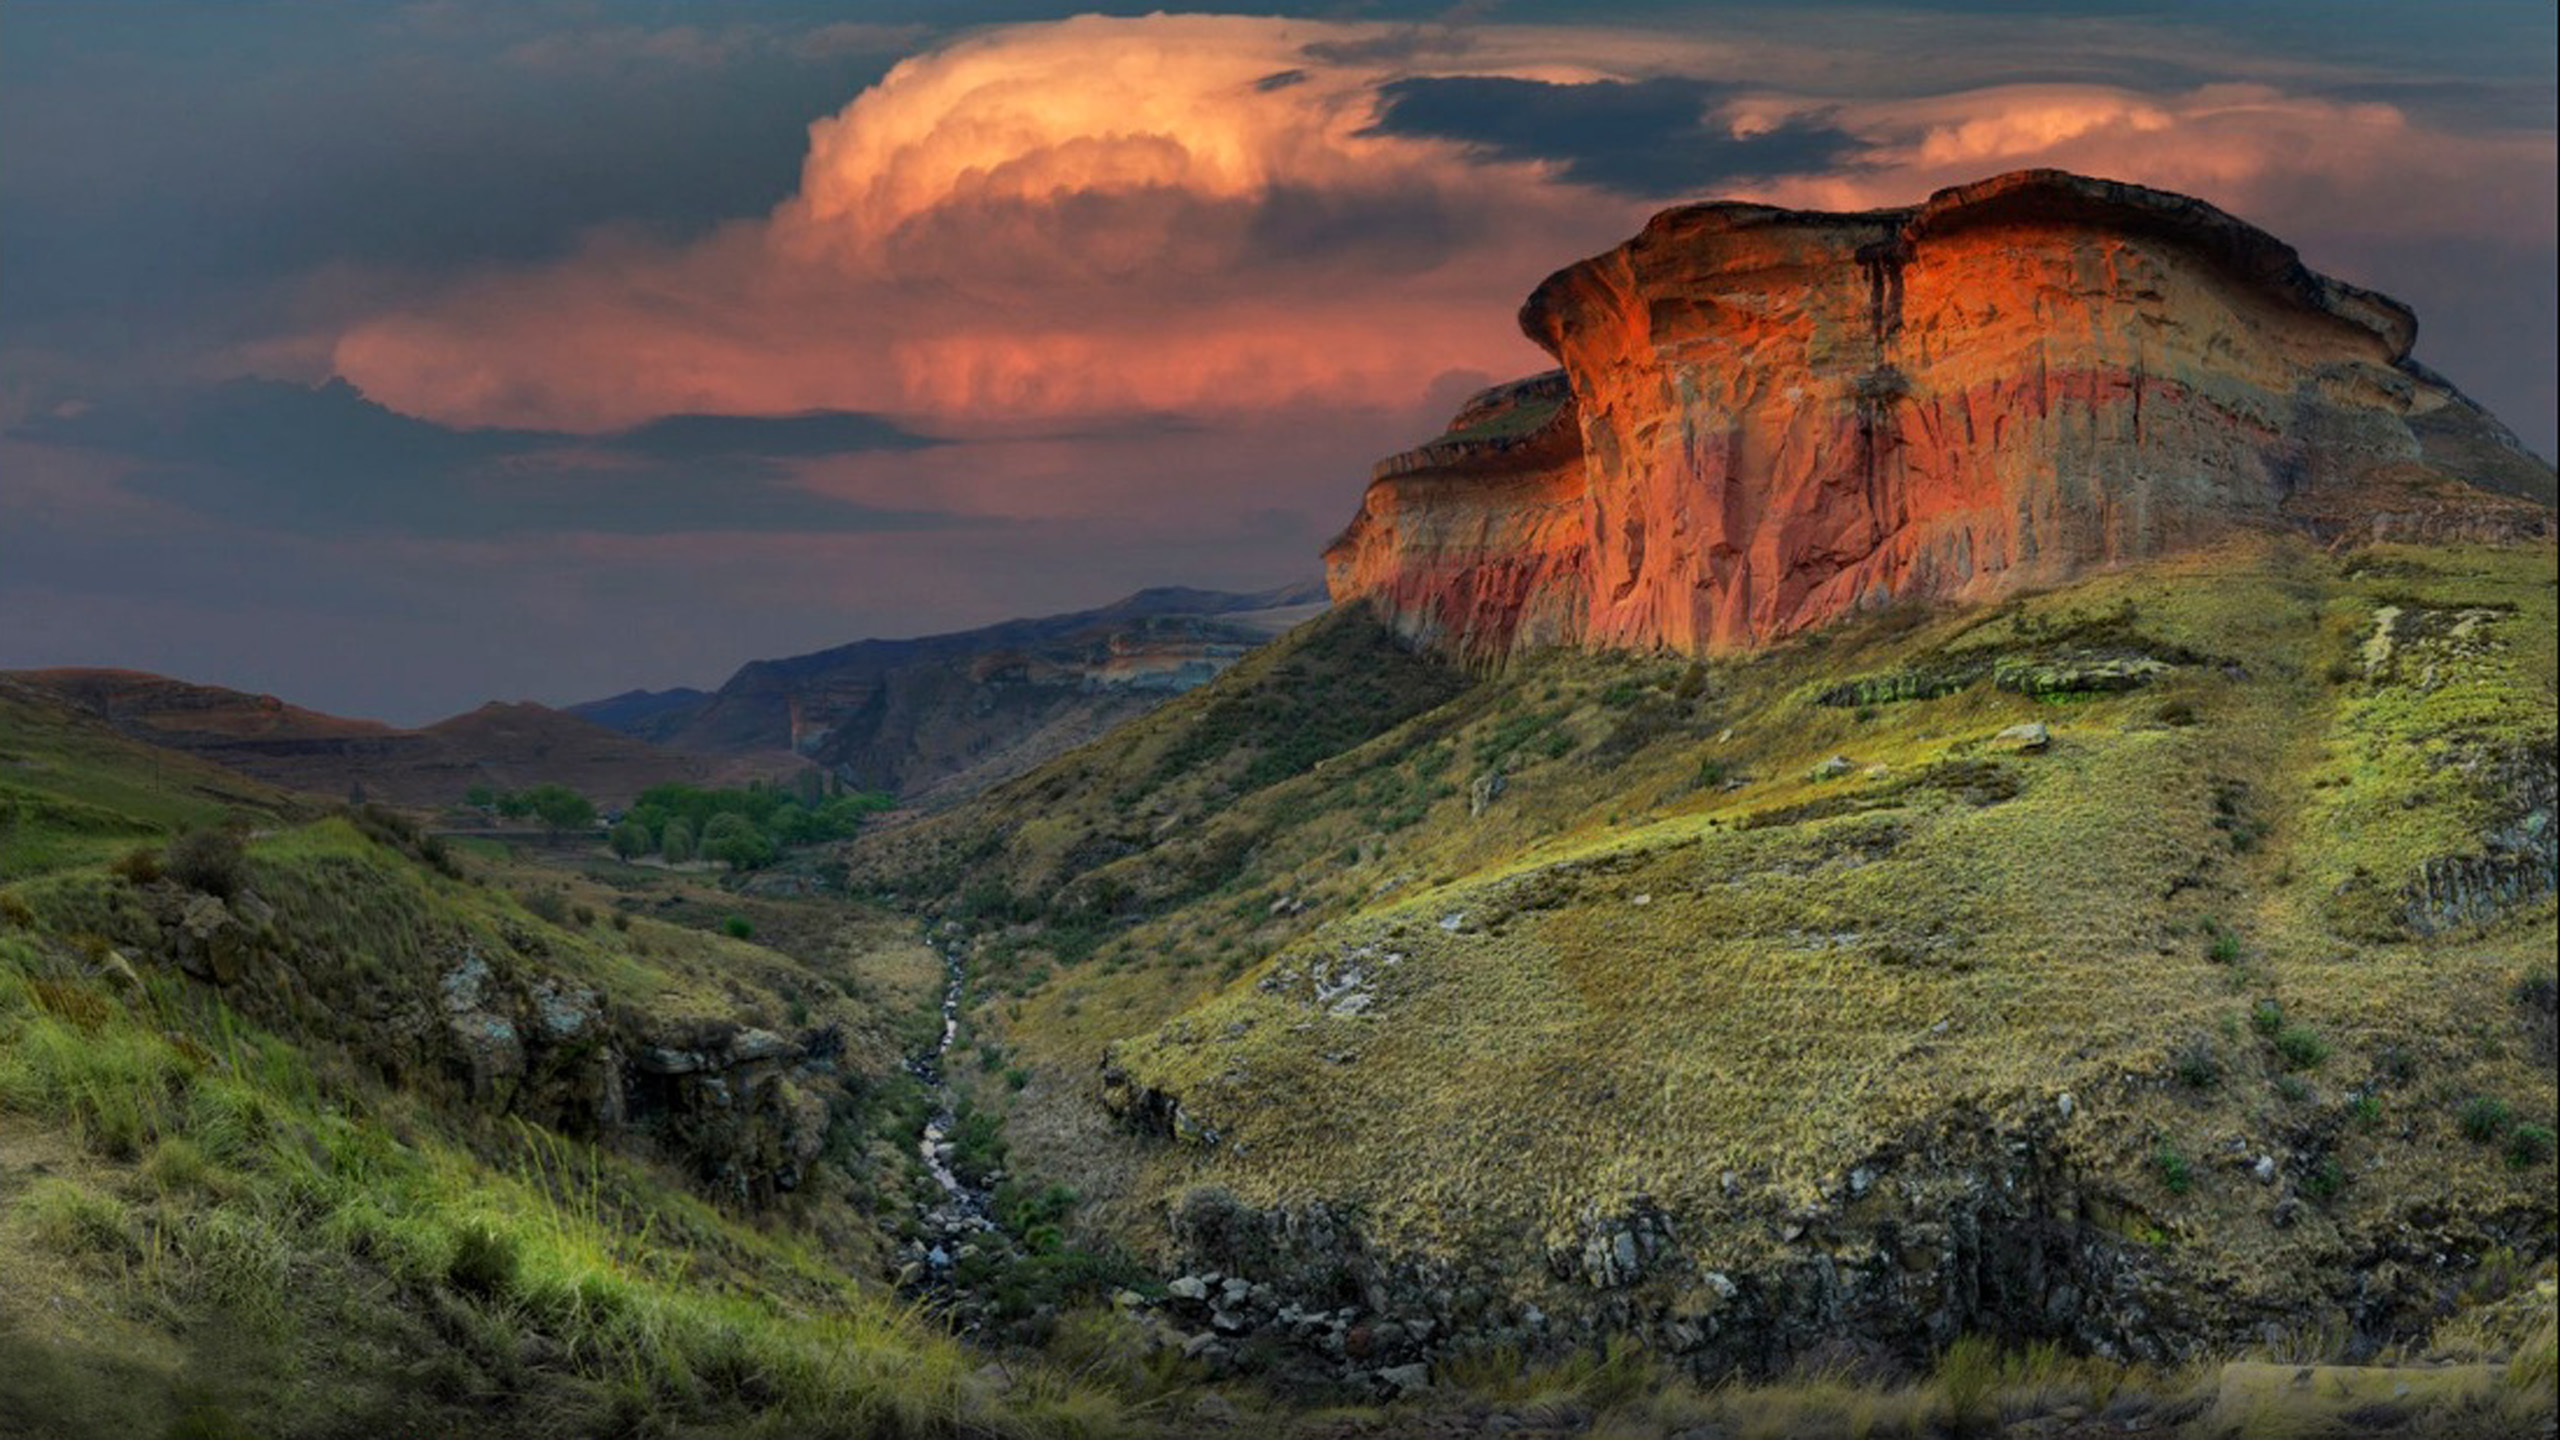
1767 418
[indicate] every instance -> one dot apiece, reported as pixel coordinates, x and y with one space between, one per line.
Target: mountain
507 746
1767 419
1983 771
943 715
633 711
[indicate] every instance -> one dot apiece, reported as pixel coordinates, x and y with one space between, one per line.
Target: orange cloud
1197 214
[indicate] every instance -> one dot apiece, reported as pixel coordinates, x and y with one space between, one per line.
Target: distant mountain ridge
941 715
504 745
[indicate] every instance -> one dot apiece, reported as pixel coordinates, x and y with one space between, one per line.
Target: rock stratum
1768 418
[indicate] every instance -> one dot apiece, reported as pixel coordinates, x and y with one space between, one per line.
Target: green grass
219 1216
1618 981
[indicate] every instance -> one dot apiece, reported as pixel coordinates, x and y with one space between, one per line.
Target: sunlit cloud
1219 215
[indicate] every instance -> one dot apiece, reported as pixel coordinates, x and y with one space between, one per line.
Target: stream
964 1209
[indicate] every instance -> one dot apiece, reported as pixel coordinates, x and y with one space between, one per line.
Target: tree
560 808
480 797
735 841
675 841
631 839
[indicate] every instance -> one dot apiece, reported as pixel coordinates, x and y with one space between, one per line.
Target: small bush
2267 1017
2529 1145
2225 949
2300 1047
548 905
210 860
484 1262
2325 1180
738 927
138 866
2365 1110
2199 1068
16 911
2485 1118
2175 1171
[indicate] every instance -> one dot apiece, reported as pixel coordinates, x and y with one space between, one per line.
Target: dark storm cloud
217 164
1642 137
327 461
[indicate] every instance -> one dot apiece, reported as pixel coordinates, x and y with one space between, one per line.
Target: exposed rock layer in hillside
1766 418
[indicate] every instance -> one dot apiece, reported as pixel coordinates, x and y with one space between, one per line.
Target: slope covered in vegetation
309 1126
2154 965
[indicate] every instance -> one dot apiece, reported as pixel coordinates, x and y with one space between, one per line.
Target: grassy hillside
304 1131
1720 1004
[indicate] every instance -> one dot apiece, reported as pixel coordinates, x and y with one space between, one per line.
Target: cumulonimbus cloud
1203 214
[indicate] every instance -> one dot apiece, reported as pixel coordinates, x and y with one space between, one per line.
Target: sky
396 357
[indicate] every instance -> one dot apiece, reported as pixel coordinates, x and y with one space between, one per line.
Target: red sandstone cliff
1767 418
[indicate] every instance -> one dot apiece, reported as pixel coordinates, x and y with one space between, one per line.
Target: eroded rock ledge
1767 418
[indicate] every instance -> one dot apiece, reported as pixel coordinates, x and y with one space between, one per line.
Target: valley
1948 830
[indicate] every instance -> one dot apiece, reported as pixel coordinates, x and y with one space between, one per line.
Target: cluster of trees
742 828
558 807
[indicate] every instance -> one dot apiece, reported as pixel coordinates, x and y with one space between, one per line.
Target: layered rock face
1768 418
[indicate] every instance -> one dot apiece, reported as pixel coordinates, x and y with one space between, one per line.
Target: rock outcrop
1768 418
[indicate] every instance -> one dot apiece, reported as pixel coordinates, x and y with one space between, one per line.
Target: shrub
548 905
2325 1180
738 927
2365 1110
2267 1017
2529 1145
2175 1171
139 866
209 859
2301 1047
2199 1068
2226 947
484 1262
2485 1118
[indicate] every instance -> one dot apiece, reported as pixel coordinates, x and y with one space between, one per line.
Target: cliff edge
1768 418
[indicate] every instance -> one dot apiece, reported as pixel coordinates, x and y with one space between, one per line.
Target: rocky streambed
961 1218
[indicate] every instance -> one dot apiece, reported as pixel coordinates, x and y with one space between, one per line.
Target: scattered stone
119 972
2025 739
1834 768
1187 1287
2264 1169
1406 1379
1484 790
